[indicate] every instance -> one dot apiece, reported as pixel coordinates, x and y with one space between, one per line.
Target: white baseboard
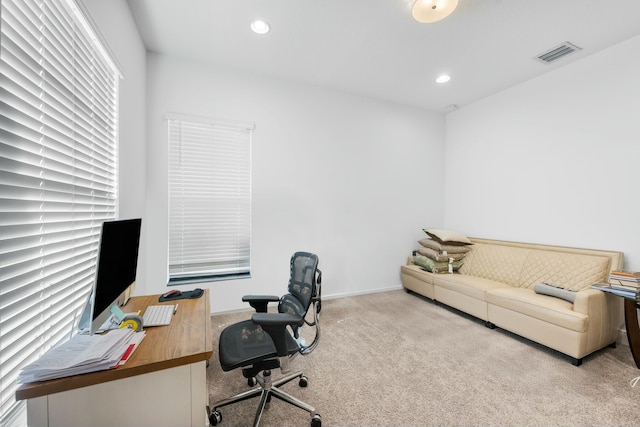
370 291
324 297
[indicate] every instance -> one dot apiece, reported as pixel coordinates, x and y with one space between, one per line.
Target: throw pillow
448 236
442 248
435 266
554 291
437 256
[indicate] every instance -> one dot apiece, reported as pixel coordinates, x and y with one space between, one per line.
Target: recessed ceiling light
443 78
260 27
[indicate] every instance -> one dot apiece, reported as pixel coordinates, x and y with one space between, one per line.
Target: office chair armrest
260 302
275 324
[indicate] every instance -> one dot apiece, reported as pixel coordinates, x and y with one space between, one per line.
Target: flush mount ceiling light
260 27
443 78
428 11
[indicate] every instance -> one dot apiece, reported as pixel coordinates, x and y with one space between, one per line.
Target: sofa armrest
588 299
603 311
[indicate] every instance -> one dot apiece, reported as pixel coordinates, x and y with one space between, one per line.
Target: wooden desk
163 383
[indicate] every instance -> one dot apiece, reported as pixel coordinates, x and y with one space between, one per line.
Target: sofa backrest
525 264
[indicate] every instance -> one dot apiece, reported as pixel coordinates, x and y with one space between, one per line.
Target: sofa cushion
475 287
495 262
563 270
549 309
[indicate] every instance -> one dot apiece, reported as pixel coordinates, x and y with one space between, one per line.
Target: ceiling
374 47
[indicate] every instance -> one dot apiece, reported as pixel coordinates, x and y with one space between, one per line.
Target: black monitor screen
117 263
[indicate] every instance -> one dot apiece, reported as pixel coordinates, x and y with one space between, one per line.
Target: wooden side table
633 329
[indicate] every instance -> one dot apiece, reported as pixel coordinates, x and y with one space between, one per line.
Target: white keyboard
158 315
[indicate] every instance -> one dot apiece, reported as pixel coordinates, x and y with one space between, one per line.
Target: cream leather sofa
496 281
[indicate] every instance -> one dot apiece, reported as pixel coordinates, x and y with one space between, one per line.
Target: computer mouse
172 293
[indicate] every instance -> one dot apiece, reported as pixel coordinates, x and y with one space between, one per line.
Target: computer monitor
116 264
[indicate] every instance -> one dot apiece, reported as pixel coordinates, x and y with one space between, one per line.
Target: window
209 200
58 142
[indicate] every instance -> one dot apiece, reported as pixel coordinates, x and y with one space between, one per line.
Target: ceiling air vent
558 52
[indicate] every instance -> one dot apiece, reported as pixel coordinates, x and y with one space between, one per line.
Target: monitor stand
84 324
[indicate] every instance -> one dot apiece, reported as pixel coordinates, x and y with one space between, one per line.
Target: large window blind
58 169
209 200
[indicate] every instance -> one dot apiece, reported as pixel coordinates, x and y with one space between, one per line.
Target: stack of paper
82 354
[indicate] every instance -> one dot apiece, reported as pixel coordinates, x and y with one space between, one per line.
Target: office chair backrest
302 284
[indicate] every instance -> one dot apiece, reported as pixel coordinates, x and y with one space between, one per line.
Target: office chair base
266 390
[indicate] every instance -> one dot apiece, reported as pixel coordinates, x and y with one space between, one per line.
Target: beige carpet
396 359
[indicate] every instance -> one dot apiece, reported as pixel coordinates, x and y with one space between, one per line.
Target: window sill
175 281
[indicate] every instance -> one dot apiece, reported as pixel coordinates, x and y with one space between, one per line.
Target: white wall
553 160
118 30
349 178
354 179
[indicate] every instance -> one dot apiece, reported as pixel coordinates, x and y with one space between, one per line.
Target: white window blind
58 169
209 200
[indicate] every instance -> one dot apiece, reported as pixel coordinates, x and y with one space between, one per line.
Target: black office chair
265 343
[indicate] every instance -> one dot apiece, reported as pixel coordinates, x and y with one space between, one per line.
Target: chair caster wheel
304 381
215 418
316 421
252 381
